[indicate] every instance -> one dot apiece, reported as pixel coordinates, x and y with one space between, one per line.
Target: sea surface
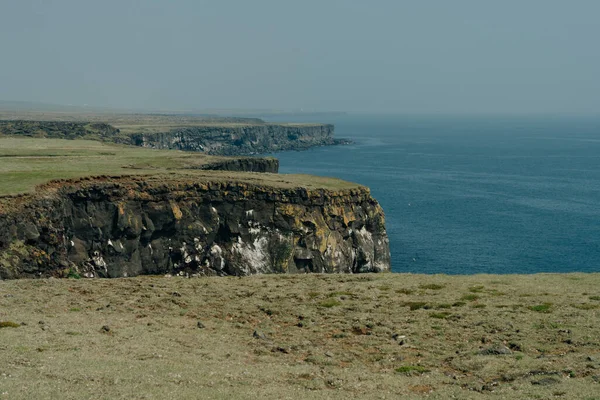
466 195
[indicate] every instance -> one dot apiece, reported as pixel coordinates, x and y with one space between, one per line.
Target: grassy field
302 336
27 162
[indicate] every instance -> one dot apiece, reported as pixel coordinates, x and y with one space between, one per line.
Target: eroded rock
131 226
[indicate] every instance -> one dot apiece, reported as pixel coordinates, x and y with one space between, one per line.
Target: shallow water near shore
465 195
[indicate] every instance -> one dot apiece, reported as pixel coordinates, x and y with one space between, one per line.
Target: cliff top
28 162
141 123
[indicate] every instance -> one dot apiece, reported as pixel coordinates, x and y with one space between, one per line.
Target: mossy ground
317 336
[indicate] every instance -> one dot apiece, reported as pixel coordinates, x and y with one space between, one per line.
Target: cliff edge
210 225
237 140
85 208
230 136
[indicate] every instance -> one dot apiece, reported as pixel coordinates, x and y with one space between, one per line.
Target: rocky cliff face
59 129
251 139
228 139
246 164
131 226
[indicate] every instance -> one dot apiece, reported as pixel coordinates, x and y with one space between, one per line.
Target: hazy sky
419 56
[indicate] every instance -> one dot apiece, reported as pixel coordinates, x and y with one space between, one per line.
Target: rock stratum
206 225
230 137
252 139
243 164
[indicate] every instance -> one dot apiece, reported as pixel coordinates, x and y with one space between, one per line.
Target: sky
392 56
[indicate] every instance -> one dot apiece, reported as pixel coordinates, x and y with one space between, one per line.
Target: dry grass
317 336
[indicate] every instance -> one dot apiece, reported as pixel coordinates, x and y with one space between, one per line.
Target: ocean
467 195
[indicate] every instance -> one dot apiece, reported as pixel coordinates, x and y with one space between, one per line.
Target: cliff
211 224
230 137
246 164
236 140
59 129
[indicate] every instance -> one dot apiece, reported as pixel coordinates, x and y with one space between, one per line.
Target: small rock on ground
260 335
546 381
500 350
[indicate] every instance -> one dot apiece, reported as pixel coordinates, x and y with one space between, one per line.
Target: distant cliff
114 227
59 129
251 139
246 164
226 139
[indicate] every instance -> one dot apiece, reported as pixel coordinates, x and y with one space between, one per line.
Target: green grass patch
470 297
542 308
479 305
597 298
338 294
585 306
440 315
412 370
73 274
330 303
9 324
405 291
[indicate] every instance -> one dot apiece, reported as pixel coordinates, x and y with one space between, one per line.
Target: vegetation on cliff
28 162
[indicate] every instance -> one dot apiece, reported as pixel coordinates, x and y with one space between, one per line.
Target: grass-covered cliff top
392 336
141 123
28 162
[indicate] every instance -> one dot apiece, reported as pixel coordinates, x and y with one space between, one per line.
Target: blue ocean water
465 195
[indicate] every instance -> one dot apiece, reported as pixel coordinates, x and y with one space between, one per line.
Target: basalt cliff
127 226
237 140
236 137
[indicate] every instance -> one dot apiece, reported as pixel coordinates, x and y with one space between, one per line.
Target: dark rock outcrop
251 139
246 164
226 139
116 227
